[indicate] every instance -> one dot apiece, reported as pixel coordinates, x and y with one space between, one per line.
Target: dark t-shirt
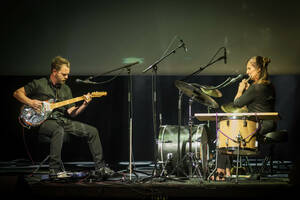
259 98
43 89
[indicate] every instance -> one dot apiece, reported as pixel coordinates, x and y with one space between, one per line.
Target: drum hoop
248 118
236 117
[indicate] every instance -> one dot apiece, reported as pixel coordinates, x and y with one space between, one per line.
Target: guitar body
31 118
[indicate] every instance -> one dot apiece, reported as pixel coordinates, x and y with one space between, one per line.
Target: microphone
85 81
238 78
225 56
183 45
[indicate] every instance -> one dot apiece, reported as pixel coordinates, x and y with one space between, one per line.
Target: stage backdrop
110 115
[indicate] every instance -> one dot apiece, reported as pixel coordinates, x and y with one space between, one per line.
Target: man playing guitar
59 122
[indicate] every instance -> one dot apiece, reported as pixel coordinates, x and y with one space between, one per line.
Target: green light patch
132 60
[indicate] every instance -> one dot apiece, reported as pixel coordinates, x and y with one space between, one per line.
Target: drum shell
168 143
231 130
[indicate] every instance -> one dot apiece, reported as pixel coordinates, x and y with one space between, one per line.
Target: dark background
99 36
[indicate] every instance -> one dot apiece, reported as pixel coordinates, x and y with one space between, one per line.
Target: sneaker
104 172
56 173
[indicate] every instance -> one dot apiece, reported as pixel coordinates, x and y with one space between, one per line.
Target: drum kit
191 147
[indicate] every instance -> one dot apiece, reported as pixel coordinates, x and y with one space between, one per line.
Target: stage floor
17 179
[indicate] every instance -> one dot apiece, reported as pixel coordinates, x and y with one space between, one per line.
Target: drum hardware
168 151
245 123
200 94
238 159
190 157
206 90
196 94
167 167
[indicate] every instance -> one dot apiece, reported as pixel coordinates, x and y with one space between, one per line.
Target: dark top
43 89
259 98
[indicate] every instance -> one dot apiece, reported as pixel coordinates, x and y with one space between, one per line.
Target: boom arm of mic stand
117 69
201 69
162 58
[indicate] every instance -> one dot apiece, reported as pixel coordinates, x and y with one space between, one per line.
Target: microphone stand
130 110
154 103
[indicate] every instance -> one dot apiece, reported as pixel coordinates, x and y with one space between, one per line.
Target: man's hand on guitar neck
74 111
87 98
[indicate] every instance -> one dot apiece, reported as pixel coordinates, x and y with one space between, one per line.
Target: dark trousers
224 161
56 129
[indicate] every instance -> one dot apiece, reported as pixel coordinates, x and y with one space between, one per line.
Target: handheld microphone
225 56
238 78
233 80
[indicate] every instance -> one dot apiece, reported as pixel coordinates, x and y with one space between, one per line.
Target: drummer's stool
272 138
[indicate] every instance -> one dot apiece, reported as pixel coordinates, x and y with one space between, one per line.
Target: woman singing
258 96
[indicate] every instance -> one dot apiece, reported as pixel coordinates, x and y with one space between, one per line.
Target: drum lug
228 123
245 123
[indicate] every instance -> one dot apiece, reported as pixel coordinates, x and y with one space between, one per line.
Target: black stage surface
18 180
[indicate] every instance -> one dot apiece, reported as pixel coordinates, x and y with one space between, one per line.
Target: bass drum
168 142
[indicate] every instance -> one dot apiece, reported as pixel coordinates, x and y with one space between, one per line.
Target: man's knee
93 131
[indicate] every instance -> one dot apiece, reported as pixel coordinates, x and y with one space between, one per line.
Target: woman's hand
244 85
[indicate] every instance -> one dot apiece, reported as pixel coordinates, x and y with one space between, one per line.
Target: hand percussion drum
237 136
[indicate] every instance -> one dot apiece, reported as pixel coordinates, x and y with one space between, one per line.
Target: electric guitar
29 117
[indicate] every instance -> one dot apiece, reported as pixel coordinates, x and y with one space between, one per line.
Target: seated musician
59 122
258 96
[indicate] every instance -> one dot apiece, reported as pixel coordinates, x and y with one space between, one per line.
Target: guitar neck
66 102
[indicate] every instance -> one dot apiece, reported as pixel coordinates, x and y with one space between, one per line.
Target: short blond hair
57 62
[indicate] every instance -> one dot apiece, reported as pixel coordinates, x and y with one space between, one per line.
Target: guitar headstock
98 94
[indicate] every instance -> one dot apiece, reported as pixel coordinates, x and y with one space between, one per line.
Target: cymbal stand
193 161
177 168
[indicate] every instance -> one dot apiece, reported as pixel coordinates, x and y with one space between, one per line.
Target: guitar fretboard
66 102
69 101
